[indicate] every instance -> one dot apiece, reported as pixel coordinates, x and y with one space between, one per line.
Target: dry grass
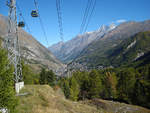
117 107
43 99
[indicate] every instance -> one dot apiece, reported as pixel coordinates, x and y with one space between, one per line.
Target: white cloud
121 21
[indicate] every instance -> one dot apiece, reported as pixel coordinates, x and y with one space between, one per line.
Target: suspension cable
41 22
87 15
59 14
90 16
19 9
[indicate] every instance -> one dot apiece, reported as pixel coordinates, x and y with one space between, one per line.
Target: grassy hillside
43 99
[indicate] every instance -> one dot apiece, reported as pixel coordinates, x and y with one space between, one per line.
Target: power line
59 13
41 22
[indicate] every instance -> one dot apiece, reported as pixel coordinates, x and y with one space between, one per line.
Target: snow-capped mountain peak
112 26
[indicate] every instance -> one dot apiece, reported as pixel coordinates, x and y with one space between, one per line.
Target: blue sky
106 12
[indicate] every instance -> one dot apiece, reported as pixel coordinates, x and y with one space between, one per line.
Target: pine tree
28 75
74 89
7 93
42 78
141 93
51 78
95 84
85 86
126 84
47 77
65 87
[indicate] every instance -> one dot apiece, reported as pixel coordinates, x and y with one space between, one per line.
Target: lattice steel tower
12 42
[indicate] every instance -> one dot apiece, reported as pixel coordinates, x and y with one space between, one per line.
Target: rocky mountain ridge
96 53
67 51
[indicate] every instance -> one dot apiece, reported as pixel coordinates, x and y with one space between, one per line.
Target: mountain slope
133 49
69 50
43 99
96 54
31 50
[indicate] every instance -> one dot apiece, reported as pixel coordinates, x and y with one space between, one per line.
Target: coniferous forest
127 85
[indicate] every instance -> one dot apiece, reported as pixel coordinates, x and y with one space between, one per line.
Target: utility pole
12 45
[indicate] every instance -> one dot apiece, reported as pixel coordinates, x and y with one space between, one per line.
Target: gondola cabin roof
34 13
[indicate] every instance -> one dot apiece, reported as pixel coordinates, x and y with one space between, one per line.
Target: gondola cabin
34 13
21 24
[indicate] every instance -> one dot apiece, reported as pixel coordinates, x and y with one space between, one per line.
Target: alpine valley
109 46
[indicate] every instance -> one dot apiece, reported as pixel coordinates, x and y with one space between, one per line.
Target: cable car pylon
12 45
